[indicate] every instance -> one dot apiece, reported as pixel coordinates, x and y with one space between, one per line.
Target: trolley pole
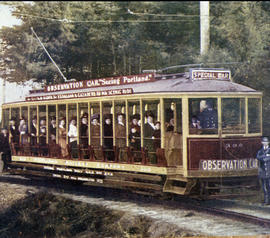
204 26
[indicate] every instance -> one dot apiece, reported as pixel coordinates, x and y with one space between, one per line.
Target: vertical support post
219 107
78 123
246 115
38 124
162 122
142 122
47 124
29 123
204 26
185 133
127 123
67 123
113 122
57 122
89 124
101 122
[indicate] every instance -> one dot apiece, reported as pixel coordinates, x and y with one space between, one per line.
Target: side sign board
103 82
112 92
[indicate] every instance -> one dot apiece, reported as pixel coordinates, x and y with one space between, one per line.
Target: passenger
14 132
108 137
73 138
170 126
23 129
207 116
195 123
4 147
33 136
52 130
157 135
135 133
33 127
84 130
263 157
149 129
95 137
84 136
42 137
62 138
120 133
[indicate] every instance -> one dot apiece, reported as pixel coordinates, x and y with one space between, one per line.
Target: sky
13 92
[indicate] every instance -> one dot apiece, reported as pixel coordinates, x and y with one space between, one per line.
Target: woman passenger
62 138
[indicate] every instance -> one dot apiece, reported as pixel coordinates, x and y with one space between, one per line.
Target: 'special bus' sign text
198 74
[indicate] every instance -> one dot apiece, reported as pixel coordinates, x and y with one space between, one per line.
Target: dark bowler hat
135 116
107 116
265 139
149 114
85 115
95 116
118 114
3 128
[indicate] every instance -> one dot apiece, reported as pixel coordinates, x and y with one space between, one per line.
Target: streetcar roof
179 83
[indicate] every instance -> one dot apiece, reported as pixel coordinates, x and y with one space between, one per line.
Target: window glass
173 131
42 131
23 126
233 115
62 131
73 130
5 119
95 130
83 130
151 128
120 130
107 112
254 115
134 129
203 117
52 123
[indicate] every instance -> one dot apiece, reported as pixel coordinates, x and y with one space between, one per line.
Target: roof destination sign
103 82
210 74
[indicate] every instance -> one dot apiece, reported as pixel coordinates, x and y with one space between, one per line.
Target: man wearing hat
263 157
4 146
208 116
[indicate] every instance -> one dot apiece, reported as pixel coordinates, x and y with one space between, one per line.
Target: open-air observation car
194 133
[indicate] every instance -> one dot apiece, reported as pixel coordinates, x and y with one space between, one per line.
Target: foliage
107 39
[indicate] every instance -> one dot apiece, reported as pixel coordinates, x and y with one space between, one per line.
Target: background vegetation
99 39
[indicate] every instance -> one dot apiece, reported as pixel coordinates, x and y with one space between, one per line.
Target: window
95 131
151 128
120 131
203 117
107 113
233 115
134 130
254 115
173 131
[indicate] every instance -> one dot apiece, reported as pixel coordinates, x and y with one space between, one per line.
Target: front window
203 116
233 115
254 115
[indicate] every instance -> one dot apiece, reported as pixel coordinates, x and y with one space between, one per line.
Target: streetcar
194 133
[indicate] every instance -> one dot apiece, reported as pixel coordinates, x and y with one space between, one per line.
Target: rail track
118 199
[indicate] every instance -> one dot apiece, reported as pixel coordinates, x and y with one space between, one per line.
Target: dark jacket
208 118
263 157
4 144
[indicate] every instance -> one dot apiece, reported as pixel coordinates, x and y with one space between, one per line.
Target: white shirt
72 133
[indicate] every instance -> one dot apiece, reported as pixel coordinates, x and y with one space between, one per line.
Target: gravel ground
166 220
